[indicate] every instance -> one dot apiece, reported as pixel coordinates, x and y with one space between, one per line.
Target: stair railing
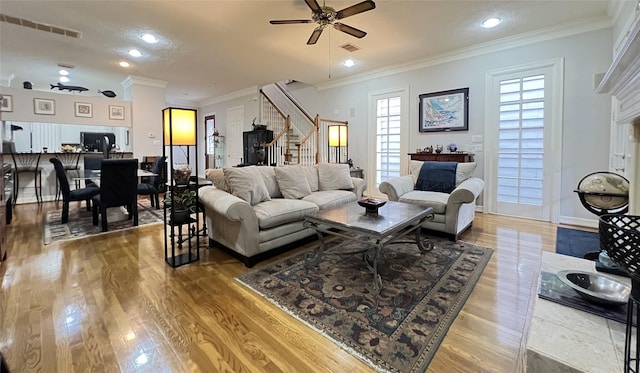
287 129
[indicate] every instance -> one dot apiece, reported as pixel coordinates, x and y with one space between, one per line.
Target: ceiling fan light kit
326 15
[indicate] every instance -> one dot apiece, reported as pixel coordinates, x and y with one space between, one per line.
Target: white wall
585 147
248 99
23 109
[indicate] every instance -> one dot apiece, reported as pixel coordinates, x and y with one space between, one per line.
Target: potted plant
183 202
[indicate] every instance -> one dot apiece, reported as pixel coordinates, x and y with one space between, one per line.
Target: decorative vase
181 175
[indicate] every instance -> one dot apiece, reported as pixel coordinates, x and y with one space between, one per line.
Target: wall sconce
338 140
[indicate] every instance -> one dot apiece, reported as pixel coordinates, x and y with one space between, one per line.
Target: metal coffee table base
372 246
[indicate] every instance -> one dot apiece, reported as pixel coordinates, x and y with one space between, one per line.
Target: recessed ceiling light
491 22
64 79
349 62
149 38
123 63
63 72
135 53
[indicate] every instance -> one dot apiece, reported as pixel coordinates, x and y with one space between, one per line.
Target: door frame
404 93
552 136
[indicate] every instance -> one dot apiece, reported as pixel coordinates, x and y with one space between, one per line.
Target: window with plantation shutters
521 140
388 114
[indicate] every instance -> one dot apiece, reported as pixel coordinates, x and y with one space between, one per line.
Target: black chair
152 188
70 162
92 162
118 187
68 195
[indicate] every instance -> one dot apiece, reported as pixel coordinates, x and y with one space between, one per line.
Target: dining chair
92 162
27 163
68 195
70 161
118 187
152 188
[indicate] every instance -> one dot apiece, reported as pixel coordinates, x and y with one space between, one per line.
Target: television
93 141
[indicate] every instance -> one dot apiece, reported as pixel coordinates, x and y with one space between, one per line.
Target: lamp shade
337 135
179 126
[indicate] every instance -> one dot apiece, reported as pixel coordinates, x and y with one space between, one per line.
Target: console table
442 157
564 339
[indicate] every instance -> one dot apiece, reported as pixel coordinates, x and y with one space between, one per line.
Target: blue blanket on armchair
437 177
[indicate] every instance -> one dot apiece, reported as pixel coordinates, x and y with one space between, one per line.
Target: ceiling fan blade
349 30
315 35
355 9
289 21
313 4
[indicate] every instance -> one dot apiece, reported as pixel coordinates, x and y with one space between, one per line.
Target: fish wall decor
110 94
62 87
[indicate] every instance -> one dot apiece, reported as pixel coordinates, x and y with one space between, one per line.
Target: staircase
296 134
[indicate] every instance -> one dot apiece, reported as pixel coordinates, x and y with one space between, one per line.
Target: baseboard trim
591 223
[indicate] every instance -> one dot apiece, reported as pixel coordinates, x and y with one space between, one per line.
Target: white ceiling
212 48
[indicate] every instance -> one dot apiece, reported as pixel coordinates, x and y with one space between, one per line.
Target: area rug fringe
348 349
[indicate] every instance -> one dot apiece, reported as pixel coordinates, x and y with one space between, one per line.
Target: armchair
453 212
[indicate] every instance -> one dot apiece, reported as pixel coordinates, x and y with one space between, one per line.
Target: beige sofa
258 211
453 212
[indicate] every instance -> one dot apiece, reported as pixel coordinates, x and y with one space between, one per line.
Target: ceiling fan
326 15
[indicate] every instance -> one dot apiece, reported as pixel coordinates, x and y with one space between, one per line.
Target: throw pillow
247 183
217 177
292 182
312 177
334 176
269 177
464 171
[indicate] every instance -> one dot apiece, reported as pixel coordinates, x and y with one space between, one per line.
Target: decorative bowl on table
371 205
596 288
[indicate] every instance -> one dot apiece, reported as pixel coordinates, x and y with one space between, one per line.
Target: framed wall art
84 109
7 103
116 112
44 106
444 111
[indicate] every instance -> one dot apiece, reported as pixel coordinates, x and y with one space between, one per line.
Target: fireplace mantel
622 81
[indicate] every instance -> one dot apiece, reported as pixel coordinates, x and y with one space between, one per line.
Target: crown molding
139 80
520 40
230 96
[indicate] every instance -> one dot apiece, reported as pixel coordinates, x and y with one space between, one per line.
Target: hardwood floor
110 303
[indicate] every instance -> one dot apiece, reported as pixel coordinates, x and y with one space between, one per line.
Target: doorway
523 135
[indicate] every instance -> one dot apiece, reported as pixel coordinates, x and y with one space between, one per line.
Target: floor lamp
179 128
338 139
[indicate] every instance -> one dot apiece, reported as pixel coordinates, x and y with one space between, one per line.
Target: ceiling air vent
350 47
40 26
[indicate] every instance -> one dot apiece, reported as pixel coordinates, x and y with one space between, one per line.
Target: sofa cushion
463 171
218 179
311 172
270 181
247 183
436 200
292 182
333 176
281 211
325 199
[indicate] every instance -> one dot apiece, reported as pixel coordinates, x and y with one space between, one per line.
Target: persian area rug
576 243
80 222
400 329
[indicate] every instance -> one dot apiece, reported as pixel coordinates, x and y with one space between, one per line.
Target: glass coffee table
393 223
